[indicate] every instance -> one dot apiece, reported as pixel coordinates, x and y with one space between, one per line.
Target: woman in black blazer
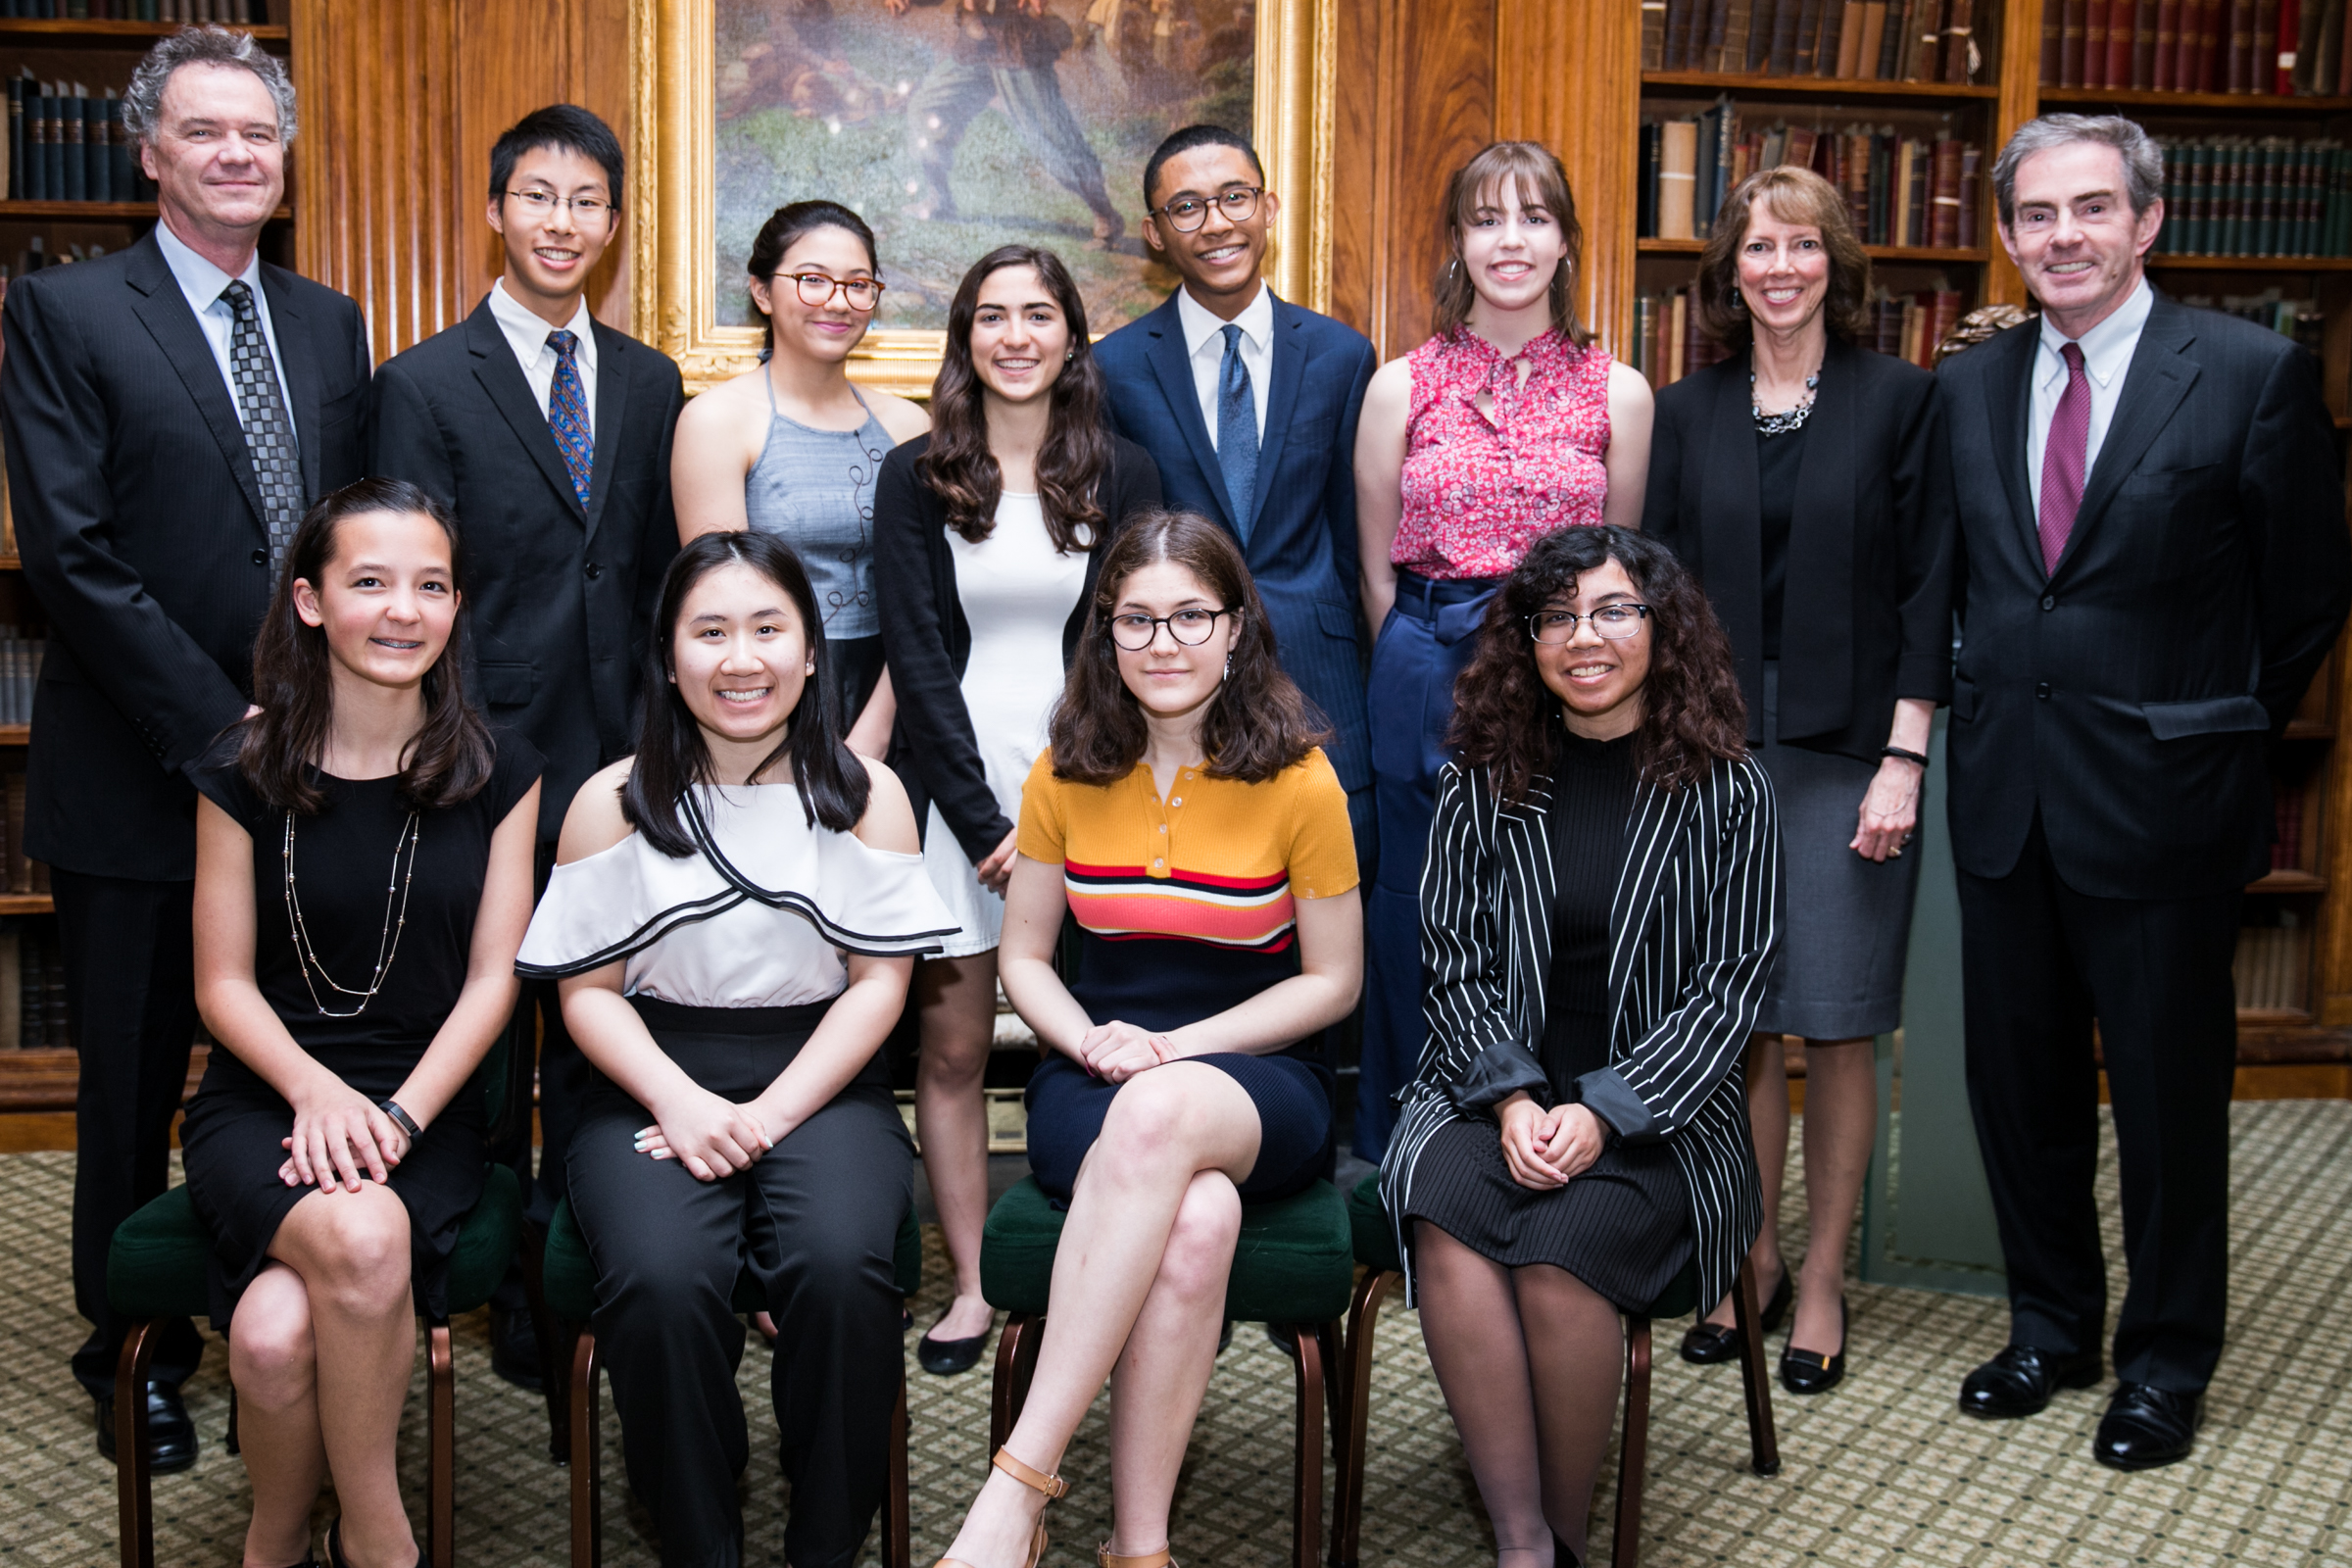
1807 482
1598 918
988 537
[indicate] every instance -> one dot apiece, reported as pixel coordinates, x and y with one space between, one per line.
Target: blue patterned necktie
567 414
1237 434
268 428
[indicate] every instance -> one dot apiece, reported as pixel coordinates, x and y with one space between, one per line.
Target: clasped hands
340 1137
1116 1051
712 1136
1544 1149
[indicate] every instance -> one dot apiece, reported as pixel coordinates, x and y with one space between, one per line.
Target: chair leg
234 1447
133 1494
549 1337
587 1458
1763 1441
1352 1376
1306 1493
1008 1387
898 1535
1633 1454
441 1447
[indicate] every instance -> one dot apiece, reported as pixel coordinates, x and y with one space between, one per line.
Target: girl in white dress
987 536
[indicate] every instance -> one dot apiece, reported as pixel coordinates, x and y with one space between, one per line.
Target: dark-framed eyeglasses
1190 628
1616 623
540 202
816 291
1186 213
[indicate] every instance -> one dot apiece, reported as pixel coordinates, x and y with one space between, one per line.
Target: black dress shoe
947 1357
514 1350
171 1435
2019 1380
1811 1372
1707 1343
2145 1427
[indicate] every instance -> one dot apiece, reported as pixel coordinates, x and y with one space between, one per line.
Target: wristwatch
399 1119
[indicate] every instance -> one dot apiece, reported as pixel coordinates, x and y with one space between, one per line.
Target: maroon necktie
2062 460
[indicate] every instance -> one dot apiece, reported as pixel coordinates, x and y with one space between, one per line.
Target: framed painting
952 126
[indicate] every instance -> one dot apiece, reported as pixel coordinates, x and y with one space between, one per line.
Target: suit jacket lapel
2159 377
301 365
1523 851
1817 624
2008 404
1289 360
494 365
612 409
1174 369
163 310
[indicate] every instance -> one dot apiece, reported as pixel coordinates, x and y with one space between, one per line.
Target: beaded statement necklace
1786 419
387 944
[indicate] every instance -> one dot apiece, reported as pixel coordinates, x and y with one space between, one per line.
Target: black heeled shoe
334 1547
1811 1372
1707 1343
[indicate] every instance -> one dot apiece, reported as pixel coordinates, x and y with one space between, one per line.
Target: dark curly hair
1258 723
1692 715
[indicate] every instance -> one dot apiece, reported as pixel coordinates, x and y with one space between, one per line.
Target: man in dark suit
2154 562
548 433
170 412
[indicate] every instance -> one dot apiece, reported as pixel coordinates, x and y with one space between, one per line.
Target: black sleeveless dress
343 860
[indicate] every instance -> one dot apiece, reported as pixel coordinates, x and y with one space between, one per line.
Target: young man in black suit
548 433
2153 564
170 412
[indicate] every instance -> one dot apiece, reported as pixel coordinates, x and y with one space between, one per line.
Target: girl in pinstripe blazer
1597 922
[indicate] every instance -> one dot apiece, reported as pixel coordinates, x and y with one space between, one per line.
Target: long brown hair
959 467
1258 723
1792 195
293 676
1543 183
1692 715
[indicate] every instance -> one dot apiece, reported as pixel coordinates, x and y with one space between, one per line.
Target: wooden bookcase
2311 897
97 54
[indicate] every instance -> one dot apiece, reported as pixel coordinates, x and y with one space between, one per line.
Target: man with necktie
2154 564
170 411
548 433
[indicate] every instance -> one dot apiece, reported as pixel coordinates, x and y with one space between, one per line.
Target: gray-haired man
170 412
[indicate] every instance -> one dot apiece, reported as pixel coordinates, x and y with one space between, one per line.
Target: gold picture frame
674 293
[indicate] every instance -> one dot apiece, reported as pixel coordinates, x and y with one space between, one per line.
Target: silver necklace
1786 419
387 943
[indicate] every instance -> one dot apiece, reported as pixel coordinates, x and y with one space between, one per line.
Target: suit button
2041 690
2049 600
595 570
261 558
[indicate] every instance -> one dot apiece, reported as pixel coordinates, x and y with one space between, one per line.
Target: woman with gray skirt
1806 482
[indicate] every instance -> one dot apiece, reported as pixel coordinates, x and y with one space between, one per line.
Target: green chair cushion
486 1242
567 1275
1293 1263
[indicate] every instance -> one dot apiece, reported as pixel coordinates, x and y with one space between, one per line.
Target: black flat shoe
2145 1427
1707 1344
1811 1372
2020 1379
171 1435
514 1350
947 1357
334 1547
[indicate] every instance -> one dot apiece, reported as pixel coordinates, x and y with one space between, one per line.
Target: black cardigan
1868 613
926 643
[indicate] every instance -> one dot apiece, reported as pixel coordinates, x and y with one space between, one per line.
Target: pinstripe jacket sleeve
1476 1047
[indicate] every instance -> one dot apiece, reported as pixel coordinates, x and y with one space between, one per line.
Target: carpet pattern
1883 1470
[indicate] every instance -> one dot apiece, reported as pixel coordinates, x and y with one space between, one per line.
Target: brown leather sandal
1150 1559
1035 1479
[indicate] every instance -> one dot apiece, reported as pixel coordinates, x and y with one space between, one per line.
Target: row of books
1848 40
241 12
2298 319
2269 966
37 254
19 667
2256 196
33 988
2267 47
1909 190
1668 344
65 146
24 874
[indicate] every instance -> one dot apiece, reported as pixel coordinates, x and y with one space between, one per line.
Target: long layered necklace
396 890
1786 419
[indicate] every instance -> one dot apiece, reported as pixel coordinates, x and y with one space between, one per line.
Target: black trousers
2039 963
130 992
815 1223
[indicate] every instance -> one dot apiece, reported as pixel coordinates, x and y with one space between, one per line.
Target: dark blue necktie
567 414
1237 434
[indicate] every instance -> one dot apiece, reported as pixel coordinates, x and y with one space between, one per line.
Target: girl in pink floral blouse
1510 422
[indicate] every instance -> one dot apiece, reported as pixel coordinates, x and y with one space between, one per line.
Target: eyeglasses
1552 627
540 202
1186 213
816 291
1190 628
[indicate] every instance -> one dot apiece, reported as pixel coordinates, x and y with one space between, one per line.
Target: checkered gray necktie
268 428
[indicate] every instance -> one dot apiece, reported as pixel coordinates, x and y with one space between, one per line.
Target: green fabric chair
1375 1241
1292 1267
568 1282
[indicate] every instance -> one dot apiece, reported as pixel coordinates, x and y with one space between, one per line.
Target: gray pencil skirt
1846 921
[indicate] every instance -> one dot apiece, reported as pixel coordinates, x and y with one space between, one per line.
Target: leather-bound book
1970 234
2274 37
2237 48
1762 17
1707 42
1678 174
1678 33
1808 36
1832 37
2094 43
1873 39
1786 20
2168 45
1890 46
1959 37
1849 41
2077 22
2053 32
2123 41
1732 55
1943 196
2310 17
1653 34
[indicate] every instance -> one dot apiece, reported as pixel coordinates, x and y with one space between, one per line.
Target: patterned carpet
1885 1470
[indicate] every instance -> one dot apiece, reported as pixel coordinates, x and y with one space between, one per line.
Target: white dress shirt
526 333
202 282
2107 350
1204 343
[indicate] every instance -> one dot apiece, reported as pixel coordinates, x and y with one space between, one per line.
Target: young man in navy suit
548 433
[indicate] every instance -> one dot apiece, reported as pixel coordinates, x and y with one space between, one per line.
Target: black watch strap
399 1119
1907 755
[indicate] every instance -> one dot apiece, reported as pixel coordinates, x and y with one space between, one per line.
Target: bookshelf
2294 964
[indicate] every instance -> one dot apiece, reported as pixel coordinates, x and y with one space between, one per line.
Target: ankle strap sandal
1035 1480
1150 1559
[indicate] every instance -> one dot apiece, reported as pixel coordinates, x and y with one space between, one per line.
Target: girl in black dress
362 882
